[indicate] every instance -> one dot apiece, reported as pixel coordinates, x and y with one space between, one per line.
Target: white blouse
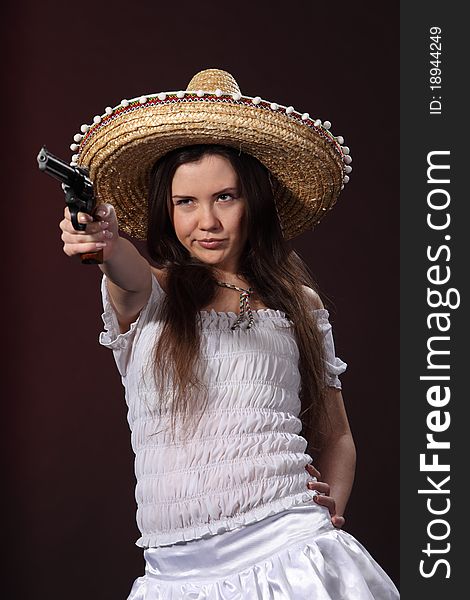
246 460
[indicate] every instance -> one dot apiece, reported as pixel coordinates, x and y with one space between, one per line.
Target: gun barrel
56 168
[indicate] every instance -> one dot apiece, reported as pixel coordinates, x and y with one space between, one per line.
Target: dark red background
68 473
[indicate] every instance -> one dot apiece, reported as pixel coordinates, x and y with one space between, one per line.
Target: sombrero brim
120 150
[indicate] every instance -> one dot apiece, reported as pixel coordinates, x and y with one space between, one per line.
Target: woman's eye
183 202
225 197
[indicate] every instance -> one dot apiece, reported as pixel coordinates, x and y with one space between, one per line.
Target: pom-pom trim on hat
128 106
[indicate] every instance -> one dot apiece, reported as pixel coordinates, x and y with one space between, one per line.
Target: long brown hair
271 267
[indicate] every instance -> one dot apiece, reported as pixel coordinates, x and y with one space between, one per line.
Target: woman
223 342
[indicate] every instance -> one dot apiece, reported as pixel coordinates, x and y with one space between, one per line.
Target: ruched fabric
246 460
293 555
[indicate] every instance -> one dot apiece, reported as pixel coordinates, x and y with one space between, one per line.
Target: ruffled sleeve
334 365
122 343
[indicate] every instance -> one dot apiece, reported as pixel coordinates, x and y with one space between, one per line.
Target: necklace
245 308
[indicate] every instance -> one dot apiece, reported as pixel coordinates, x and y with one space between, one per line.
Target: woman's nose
208 219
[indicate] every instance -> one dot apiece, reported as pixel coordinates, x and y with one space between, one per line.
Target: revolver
79 195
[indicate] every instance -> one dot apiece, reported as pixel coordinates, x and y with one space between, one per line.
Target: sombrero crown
120 147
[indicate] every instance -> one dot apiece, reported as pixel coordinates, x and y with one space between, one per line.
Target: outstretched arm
128 272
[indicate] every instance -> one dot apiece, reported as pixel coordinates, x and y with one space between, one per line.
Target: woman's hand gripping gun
79 195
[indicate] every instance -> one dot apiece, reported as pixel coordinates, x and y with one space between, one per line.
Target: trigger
72 203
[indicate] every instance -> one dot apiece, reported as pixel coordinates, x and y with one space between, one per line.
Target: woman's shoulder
160 275
313 298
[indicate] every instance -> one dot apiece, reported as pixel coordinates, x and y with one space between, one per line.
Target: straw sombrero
309 165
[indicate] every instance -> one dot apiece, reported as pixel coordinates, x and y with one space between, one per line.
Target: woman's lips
210 244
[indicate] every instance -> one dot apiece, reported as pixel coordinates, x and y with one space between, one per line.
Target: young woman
224 348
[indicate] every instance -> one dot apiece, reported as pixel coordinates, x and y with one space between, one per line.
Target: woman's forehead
211 171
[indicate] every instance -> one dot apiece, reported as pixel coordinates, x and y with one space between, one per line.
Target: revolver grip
92 258
87 258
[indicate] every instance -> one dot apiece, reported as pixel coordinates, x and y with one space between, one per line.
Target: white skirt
294 555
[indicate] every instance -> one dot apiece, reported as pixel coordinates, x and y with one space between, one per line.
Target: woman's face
208 212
